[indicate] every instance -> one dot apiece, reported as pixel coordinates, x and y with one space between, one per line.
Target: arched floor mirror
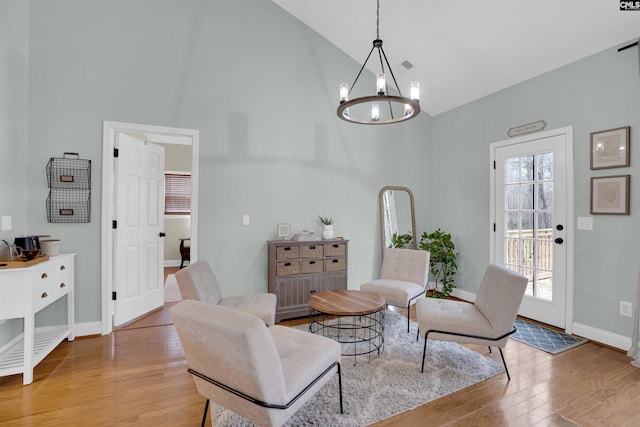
397 214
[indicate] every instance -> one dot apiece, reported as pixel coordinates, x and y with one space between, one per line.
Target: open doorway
151 135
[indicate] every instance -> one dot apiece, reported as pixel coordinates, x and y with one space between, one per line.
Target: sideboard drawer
312 266
287 252
335 249
287 268
335 264
312 251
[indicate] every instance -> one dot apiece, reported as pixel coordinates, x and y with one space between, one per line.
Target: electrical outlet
626 308
6 223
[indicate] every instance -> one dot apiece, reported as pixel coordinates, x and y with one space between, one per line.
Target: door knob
559 227
559 240
162 234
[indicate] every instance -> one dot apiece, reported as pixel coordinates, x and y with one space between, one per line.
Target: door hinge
494 165
113 295
494 227
115 152
114 224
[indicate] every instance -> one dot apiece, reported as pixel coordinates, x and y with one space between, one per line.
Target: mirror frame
413 214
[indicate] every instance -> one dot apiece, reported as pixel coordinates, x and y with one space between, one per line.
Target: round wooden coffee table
353 318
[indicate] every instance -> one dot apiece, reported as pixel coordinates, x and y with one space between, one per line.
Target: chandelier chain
377 19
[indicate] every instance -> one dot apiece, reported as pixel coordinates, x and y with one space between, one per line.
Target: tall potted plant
442 261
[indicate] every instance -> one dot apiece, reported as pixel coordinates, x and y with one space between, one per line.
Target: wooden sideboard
299 269
23 293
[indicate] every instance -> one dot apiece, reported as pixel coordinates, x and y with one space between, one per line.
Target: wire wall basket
69 181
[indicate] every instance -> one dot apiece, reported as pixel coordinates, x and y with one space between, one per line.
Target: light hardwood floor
137 376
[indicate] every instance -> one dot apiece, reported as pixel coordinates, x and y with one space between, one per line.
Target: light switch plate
585 223
6 223
245 220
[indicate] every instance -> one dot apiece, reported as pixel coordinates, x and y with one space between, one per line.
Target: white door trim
154 134
570 232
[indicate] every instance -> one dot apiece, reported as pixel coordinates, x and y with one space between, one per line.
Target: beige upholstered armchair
403 278
197 282
263 374
487 322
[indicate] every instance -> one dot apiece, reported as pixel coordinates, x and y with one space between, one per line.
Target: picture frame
610 195
283 230
610 148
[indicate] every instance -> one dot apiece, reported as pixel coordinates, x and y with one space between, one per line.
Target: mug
15 253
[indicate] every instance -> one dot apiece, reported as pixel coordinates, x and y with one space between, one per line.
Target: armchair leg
424 352
204 416
340 387
408 316
505 364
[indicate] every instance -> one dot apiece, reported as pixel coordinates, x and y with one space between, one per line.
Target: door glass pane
512 193
529 216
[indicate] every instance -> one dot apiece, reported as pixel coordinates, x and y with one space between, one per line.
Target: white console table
24 292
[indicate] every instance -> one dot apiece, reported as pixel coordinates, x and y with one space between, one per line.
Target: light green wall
14 94
262 90
596 93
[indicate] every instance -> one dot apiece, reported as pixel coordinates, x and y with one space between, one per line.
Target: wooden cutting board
23 263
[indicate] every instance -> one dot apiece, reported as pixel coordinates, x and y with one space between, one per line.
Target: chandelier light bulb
381 84
344 92
415 91
375 112
408 109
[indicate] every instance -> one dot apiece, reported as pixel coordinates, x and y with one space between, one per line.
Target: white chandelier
399 108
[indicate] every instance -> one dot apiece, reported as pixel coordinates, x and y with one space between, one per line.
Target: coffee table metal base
358 334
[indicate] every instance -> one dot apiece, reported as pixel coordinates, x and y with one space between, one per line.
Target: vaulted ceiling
462 50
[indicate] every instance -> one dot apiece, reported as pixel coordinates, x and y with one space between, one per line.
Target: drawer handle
44 295
312 262
62 285
336 246
62 267
312 247
313 291
335 261
44 276
287 264
288 248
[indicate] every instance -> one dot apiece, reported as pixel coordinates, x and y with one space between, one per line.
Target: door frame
567 132
157 134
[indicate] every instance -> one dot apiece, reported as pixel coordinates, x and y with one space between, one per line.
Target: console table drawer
42 295
287 268
287 252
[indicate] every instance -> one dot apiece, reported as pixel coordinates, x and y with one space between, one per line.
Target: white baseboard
172 263
88 328
604 337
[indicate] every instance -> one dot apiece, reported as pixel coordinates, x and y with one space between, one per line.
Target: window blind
177 194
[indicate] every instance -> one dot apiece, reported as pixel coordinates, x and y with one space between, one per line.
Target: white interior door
138 243
531 196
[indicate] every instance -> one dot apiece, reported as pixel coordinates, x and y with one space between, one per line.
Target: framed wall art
283 230
610 195
610 148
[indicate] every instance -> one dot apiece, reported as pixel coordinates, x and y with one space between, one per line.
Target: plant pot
327 232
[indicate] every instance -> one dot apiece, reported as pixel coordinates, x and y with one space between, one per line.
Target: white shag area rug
389 384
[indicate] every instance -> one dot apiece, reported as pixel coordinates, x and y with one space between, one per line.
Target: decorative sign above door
531 127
